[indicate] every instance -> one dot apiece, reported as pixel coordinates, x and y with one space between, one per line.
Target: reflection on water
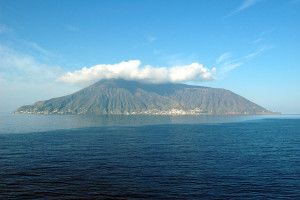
21 123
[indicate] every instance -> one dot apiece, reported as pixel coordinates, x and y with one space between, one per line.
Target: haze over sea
149 157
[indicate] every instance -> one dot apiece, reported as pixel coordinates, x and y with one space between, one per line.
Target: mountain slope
119 96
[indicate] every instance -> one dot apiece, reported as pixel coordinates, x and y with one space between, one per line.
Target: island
119 96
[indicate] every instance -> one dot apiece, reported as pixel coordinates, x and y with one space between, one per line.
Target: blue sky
251 47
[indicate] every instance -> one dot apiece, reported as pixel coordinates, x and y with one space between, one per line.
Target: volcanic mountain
118 96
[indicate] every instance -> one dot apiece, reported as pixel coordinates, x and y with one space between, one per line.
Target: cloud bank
132 70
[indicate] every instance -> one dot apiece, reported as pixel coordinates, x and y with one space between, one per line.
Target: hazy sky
53 48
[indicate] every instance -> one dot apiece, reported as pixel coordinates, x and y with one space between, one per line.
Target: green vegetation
119 96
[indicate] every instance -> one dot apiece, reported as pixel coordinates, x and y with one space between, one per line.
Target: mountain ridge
118 96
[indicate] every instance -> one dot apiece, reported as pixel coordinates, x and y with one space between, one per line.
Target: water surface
213 158
23 123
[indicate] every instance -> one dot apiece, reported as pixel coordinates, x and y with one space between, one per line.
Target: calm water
144 157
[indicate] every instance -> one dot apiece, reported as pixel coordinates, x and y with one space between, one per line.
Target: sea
149 157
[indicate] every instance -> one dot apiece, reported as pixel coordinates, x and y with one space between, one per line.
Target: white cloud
192 72
261 36
24 80
244 5
223 57
132 70
15 66
226 65
267 32
230 66
214 70
257 53
151 38
37 48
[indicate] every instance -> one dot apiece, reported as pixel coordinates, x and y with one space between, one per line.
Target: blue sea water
149 157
